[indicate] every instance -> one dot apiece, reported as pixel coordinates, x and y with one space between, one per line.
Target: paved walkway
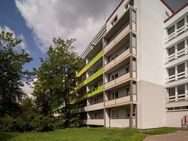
177 136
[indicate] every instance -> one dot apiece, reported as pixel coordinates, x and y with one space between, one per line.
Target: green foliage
11 73
56 79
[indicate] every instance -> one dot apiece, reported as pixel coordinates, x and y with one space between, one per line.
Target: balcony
120 101
176 55
91 78
118 38
120 80
177 98
100 89
120 58
93 107
177 32
95 122
175 77
92 62
121 123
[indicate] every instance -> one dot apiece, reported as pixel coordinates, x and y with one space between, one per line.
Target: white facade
176 68
144 79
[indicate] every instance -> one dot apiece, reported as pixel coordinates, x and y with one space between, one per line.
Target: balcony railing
120 80
119 101
177 98
120 36
91 78
175 77
94 107
176 55
120 58
177 32
96 91
91 63
95 122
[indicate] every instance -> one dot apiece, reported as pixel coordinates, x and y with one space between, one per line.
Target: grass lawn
86 134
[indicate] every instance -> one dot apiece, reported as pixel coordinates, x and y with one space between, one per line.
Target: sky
36 22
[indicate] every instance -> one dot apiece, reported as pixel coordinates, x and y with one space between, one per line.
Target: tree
11 73
56 79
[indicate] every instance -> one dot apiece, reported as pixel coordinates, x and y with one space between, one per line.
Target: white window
181 89
114 20
171 71
180 24
171 91
171 30
181 46
171 50
181 68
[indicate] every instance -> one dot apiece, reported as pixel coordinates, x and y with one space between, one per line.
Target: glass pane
181 68
171 30
171 50
181 46
171 91
171 71
181 89
133 16
180 23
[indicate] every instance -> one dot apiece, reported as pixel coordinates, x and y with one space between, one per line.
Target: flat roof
176 12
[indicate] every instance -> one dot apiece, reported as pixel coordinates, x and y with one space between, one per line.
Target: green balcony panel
92 62
91 78
94 76
97 91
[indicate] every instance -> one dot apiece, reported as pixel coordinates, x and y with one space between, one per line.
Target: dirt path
177 136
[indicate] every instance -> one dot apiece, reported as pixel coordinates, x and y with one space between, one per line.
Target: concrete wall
173 119
151 105
150 63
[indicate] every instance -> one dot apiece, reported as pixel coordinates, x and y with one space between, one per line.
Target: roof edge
176 12
165 3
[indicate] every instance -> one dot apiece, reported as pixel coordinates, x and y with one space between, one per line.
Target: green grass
86 134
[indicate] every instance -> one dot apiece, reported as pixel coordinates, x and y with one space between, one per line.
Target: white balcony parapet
120 58
120 101
94 107
179 76
118 38
177 32
95 122
120 80
176 55
177 98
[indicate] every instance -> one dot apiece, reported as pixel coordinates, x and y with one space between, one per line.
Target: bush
34 122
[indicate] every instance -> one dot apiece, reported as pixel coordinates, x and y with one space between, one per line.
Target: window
114 76
181 89
126 7
134 16
177 108
171 71
171 30
171 50
115 114
115 95
180 24
127 90
171 91
181 45
169 109
181 68
114 20
133 40
131 2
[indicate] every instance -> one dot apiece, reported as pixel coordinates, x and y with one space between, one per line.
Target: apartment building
176 68
132 72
